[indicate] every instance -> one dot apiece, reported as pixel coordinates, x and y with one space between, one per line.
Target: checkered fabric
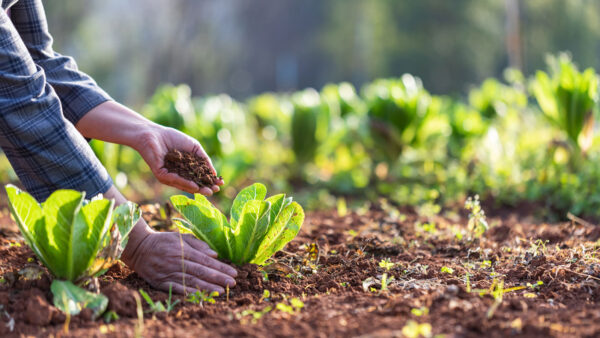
42 96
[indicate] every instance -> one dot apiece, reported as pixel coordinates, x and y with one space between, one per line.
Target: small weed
158 306
537 247
110 316
295 306
447 269
266 296
201 297
256 315
422 311
477 223
413 329
386 264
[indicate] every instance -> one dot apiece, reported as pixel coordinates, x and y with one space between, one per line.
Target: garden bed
333 269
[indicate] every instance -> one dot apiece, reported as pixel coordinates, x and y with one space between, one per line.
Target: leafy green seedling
447 269
110 316
387 265
413 329
536 285
295 306
201 297
158 306
266 295
74 238
537 247
477 223
257 228
422 311
256 315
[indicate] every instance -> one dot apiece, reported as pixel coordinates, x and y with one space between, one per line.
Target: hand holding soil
191 167
154 147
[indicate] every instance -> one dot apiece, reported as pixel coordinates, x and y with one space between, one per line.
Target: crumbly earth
191 167
525 279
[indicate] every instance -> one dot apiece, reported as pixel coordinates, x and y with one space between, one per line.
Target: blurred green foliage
396 140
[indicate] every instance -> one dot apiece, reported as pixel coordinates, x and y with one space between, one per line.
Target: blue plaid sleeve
44 148
77 91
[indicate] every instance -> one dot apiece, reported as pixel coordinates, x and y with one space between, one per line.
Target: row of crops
516 140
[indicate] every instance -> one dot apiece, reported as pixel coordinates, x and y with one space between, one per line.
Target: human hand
180 261
156 141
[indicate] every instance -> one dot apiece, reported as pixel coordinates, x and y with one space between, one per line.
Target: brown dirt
191 167
333 268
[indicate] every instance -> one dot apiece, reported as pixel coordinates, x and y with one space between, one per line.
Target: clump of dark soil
191 167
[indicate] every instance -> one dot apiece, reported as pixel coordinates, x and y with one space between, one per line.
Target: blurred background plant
408 125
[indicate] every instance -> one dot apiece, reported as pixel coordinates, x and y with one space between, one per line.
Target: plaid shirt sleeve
77 91
44 148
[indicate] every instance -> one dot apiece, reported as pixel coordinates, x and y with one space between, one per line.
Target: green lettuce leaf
71 299
253 225
284 229
71 236
256 230
205 222
256 191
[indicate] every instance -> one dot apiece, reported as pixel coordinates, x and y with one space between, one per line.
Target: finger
199 245
220 181
202 259
205 191
215 188
208 275
176 288
177 181
192 285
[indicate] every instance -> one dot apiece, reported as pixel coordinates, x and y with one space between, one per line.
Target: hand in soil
158 259
154 146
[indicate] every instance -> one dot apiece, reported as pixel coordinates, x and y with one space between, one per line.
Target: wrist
144 135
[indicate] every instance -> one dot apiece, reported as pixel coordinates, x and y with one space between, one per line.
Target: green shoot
266 295
158 306
386 264
256 315
413 329
477 223
200 297
295 306
447 269
422 311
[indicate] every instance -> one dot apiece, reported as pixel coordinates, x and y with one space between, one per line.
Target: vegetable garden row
527 140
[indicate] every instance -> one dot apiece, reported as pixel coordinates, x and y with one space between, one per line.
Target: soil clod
191 167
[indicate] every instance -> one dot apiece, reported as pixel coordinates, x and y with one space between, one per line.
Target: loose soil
191 167
333 268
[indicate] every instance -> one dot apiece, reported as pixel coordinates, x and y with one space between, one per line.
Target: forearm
112 122
139 232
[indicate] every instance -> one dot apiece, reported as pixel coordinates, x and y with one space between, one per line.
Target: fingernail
230 282
234 272
212 253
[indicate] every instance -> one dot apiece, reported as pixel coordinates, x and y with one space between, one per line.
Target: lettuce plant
74 238
568 98
257 228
